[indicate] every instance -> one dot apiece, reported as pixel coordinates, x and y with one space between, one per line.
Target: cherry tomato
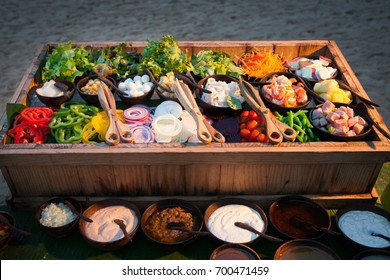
251 125
253 135
243 119
244 114
260 120
253 115
262 138
245 133
242 126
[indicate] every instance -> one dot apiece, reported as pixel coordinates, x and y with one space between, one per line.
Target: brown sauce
233 254
157 224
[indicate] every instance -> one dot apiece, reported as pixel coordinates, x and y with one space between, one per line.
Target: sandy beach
360 28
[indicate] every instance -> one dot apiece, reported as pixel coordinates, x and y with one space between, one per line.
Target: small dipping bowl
373 254
300 249
58 100
357 221
156 228
283 211
6 238
59 231
254 213
234 252
143 99
112 207
92 99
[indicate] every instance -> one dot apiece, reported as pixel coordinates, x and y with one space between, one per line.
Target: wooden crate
333 173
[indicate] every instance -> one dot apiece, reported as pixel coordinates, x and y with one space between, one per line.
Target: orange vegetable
257 64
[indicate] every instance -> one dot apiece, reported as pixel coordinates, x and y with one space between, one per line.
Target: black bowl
56 101
234 252
143 99
184 239
373 254
287 213
8 236
279 108
326 136
109 245
229 201
358 224
209 109
303 249
92 99
64 230
164 97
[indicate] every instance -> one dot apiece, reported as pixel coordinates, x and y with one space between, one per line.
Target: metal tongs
117 132
276 130
206 133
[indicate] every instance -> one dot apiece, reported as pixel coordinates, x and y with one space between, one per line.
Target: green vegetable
122 61
234 102
66 62
300 122
207 63
164 56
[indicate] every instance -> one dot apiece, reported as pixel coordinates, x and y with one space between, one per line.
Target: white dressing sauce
221 223
104 229
358 225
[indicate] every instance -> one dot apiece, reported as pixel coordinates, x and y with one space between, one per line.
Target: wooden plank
133 180
201 179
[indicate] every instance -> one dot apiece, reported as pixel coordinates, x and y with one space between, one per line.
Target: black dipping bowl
303 249
326 136
373 254
61 231
7 238
227 201
113 245
354 245
209 109
143 99
56 101
234 252
282 211
92 99
281 109
171 203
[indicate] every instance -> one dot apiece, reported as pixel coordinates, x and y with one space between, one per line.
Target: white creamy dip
104 229
358 225
221 223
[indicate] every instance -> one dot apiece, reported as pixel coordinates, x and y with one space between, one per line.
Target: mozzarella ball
145 78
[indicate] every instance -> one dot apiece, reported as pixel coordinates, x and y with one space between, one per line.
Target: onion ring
142 134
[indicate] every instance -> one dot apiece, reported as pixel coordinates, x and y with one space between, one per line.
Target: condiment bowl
358 220
106 220
252 209
155 226
327 136
232 251
280 108
7 232
92 99
209 109
143 99
58 100
373 254
294 215
59 231
189 80
304 249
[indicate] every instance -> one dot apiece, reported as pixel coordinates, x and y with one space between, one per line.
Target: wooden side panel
167 179
97 179
133 180
202 179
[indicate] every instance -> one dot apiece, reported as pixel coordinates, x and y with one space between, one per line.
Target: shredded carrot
257 64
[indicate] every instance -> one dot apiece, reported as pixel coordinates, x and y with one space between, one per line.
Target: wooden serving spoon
78 214
301 222
5 221
380 235
180 227
122 226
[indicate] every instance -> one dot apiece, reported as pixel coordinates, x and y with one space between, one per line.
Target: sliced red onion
136 114
142 134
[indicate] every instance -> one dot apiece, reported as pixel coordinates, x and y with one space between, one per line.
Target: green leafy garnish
207 63
66 62
234 102
163 56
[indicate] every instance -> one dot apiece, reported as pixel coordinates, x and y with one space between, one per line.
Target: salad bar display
199 120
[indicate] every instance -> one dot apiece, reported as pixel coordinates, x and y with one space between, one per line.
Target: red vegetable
31 125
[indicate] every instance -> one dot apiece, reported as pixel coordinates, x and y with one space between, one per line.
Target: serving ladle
180 227
5 221
380 236
252 229
122 226
301 222
77 213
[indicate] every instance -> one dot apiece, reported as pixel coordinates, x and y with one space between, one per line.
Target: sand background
360 28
